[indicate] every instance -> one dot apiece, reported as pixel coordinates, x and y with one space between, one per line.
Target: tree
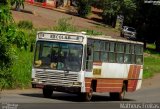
128 9
5 47
147 22
18 4
84 7
9 36
112 8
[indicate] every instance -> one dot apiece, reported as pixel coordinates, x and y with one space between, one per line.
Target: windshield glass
58 56
131 29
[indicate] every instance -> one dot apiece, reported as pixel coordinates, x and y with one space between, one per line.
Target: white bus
81 64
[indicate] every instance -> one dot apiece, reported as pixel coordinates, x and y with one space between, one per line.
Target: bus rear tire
118 95
47 93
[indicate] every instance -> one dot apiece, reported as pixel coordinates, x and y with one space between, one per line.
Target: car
128 32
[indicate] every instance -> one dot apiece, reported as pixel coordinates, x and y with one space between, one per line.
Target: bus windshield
58 56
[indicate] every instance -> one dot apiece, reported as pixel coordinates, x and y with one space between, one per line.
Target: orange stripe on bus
108 80
109 85
134 72
109 89
132 84
135 84
130 71
88 84
105 84
138 72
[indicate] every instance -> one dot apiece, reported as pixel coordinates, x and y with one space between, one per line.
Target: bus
83 64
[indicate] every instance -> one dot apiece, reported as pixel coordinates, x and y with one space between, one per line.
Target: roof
109 38
58 32
100 37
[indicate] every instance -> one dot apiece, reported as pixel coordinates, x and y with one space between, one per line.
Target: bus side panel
113 70
109 85
111 79
104 84
134 77
140 81
88 84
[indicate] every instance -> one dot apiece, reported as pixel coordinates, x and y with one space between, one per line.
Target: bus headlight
77 83
34 80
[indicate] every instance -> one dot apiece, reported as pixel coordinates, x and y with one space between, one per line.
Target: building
51 3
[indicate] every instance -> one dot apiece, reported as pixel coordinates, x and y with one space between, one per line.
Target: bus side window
104 51
139 54
112 52
127 55
89 58
119 52
96 48
132 50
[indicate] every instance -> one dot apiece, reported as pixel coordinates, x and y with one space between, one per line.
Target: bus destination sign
53 36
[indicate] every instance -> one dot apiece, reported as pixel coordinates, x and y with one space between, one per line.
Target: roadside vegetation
151 61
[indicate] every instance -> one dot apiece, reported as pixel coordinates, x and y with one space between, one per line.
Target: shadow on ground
73 97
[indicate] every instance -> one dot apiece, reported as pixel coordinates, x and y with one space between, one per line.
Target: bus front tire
47 93
86 96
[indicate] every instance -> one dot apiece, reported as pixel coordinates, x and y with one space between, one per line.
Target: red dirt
46 18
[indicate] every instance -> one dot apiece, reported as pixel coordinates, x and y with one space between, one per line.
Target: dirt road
44 18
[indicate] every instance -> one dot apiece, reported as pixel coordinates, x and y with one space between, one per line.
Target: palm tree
18 4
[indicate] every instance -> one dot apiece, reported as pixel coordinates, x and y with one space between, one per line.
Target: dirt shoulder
46 18
152 82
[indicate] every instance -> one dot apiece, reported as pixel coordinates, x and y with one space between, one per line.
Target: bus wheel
47 93
118 95
87 96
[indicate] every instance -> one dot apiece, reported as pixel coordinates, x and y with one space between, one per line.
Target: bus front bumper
68 89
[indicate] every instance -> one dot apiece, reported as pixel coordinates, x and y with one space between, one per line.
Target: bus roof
109 38
99 37
58 32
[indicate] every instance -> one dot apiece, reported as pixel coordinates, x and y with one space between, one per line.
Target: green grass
151 61
22 69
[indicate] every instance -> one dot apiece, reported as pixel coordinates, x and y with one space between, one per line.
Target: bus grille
56 78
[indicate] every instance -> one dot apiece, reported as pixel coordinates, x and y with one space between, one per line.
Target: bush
92 32
6 78
25 24
21 39
21 69
65 26
7 58
84 7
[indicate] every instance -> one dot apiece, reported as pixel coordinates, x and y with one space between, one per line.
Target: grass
65 26
22 69
151 61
